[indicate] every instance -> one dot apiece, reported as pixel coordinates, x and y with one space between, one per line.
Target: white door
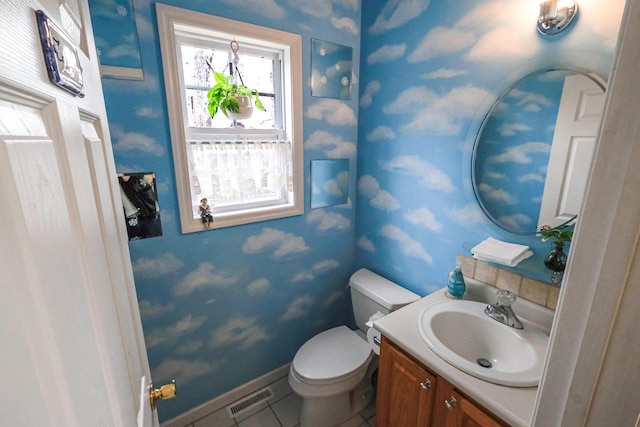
71 344
574 141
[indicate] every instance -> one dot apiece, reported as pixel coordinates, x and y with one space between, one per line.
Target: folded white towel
503 262
500 252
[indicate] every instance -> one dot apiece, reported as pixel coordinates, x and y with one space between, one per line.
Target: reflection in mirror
331 70
329 182
140 205
533 152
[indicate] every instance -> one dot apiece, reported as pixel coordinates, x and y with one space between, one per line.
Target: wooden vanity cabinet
406 390
453 409
409 395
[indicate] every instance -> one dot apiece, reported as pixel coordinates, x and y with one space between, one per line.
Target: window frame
172 20
197 40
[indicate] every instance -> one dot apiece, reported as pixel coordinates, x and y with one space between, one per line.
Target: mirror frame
476 192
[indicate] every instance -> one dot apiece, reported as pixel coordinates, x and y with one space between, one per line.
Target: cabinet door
455 410
406 390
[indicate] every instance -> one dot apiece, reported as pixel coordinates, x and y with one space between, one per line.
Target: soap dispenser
456 286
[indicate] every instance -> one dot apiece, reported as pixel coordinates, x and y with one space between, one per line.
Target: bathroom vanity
409 394
416 387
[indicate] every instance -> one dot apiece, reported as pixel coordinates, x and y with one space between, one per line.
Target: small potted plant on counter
556 260
236 101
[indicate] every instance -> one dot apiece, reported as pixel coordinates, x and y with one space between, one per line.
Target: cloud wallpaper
430 73
222 307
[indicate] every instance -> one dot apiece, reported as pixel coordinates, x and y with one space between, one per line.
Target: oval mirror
532 154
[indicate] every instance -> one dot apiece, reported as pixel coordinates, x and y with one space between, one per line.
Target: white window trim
169 20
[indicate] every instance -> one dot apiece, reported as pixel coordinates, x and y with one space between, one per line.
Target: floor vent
249 402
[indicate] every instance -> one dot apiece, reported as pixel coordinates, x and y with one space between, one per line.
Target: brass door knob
167 391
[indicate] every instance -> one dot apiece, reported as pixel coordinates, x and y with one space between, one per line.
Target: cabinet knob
426 384
451 403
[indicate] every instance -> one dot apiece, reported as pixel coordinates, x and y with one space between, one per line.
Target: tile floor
281 410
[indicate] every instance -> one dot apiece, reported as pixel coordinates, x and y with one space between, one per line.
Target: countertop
514 405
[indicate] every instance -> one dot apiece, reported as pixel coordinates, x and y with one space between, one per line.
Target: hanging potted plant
236 101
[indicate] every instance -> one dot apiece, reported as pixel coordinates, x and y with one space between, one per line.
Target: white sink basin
461 334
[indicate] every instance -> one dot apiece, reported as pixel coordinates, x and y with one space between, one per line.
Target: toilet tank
371 292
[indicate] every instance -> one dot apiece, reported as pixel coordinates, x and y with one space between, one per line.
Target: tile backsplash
530 289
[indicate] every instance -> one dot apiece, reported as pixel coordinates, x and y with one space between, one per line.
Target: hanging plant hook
235 47
227 91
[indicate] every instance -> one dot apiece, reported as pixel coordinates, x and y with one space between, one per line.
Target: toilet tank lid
383 291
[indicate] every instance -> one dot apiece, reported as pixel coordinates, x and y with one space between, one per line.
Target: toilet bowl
330 372
334 372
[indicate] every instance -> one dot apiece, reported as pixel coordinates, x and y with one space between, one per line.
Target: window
249 170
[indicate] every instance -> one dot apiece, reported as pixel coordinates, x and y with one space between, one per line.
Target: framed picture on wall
140 205
116 36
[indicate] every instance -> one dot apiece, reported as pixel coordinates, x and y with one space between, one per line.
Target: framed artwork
329 183
140 205
116 36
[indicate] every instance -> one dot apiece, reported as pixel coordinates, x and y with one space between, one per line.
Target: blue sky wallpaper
222 307
430 72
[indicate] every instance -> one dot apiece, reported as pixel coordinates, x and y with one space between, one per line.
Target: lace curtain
230 173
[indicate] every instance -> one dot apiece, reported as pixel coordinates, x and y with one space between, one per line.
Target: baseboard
228 398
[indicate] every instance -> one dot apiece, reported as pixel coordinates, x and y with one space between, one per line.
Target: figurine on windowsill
205 213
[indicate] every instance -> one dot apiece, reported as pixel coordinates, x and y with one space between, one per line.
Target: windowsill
230 219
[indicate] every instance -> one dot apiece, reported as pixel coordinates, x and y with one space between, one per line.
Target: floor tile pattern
281 410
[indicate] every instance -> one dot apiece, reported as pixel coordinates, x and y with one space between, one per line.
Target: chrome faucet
502 312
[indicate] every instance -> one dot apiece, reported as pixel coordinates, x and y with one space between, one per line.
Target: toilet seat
331 356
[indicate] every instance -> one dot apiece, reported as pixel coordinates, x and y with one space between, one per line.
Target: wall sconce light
556 15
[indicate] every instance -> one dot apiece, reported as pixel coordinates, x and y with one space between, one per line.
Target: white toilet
333 371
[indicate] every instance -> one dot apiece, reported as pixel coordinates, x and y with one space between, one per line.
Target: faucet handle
506 298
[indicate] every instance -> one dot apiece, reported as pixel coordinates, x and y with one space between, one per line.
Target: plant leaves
213 109
220 78
222 96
